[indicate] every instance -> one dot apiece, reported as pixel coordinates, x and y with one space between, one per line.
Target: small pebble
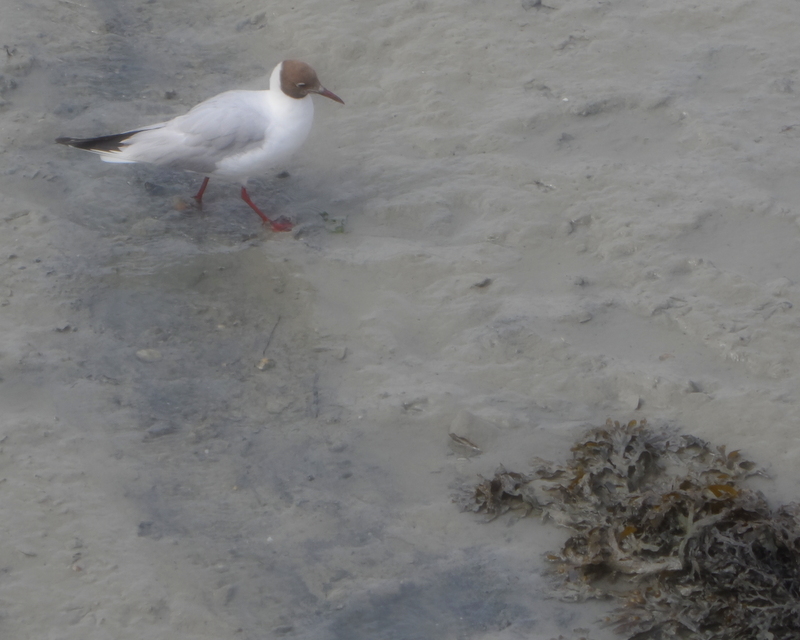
148 355
158 430
264 364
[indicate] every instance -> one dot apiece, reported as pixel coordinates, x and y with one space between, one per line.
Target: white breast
288 122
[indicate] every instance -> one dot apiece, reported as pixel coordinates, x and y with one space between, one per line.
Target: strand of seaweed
662 523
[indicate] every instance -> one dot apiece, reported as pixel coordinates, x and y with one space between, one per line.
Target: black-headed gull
234 135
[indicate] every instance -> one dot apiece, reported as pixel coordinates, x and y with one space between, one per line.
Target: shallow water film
526 218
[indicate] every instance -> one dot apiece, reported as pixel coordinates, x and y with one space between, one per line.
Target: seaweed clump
662 523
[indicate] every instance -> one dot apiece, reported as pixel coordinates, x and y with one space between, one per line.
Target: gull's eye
301 84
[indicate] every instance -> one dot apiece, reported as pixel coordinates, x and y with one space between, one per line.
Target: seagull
234 135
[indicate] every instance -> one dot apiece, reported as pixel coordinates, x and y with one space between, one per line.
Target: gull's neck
301 109
275 79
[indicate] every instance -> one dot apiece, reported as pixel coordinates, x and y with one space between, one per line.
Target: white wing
229 124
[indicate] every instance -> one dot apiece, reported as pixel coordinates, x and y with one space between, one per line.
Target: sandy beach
526 219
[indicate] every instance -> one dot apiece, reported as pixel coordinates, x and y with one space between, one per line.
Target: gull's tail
110 147
103 144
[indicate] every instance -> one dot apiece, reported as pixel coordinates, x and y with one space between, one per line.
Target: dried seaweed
663 523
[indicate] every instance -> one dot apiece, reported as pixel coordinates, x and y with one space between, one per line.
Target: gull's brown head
298 80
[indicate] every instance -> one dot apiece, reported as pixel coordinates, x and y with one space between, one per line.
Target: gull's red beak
329 94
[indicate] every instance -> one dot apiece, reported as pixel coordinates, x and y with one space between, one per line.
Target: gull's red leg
281 224
199 196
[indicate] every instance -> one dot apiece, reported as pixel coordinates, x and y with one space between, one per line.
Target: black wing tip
103 143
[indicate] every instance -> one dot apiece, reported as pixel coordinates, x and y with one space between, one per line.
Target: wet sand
552 215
